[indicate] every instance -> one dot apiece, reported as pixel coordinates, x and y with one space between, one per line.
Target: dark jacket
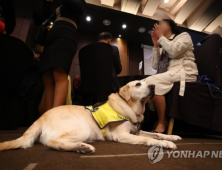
117 68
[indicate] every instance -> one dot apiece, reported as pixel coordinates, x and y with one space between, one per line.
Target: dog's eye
138 84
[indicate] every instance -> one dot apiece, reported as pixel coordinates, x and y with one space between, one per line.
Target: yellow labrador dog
70 128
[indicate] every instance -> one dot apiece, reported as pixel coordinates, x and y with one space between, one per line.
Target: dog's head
137 90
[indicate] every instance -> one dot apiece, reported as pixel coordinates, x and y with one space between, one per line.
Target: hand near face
157 30
155 39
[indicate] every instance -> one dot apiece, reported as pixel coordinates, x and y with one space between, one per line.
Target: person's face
164 26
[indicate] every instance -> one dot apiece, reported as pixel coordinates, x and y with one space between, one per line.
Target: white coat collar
172 37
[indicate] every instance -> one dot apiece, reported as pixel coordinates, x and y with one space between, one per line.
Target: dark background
88 31
98 14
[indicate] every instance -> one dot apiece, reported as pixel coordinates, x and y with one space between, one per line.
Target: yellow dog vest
105 115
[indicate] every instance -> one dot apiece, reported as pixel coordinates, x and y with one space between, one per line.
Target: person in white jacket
173 58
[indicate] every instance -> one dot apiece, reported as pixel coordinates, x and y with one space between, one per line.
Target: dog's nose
152 90
152 86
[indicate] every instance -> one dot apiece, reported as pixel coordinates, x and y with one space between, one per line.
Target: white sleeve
178 46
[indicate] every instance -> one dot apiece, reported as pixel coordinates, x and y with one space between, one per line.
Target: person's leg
42 107
61 86
163 84
49 89
160 105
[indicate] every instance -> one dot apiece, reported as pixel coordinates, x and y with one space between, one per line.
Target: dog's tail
26 140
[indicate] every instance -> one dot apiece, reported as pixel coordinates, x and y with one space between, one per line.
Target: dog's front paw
162 143
167 144
168 137
174 138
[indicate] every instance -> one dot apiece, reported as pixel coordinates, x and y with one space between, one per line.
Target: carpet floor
113 156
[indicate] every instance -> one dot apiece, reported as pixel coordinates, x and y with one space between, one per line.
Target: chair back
208 58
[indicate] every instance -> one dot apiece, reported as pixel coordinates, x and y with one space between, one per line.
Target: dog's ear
124 92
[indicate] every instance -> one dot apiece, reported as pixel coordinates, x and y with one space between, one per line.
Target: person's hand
157 30
155 39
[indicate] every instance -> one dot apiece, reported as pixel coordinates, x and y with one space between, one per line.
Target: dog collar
121 96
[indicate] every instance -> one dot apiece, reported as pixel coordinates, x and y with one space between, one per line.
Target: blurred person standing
59 50
106 37
31 76
31 89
